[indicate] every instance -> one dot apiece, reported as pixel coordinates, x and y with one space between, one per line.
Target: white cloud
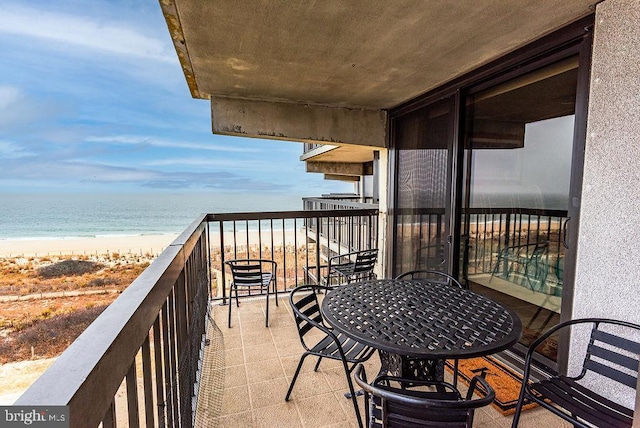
43 170
83 31
232 164
9 95
17 109
158 142
9 150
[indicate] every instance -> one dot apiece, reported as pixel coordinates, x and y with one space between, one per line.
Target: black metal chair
333 345
611 358
349 267
423 404
440 278
436 275
250 274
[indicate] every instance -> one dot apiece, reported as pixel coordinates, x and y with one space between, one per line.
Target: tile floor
247 369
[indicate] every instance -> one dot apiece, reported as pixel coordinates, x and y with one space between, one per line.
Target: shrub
68 267
49 337
101 282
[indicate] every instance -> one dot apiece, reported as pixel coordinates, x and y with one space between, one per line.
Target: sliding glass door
487 174
424 141
518 151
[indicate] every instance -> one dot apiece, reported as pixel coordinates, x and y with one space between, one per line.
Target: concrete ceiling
372 54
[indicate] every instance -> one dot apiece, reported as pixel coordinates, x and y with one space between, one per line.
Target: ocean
78 215
88 215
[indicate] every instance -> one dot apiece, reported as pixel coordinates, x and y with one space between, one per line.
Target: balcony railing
339 202
146 346
298 241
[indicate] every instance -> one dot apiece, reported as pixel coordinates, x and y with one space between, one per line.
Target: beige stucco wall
607 282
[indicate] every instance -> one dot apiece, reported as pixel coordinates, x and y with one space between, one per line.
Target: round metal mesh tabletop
418 318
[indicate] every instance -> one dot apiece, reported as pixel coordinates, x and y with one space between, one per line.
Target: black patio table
417 324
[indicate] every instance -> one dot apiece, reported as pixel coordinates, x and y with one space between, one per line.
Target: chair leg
275 291
354 397
315 369
231 303
367 410
266 318
516 415
295 376
455 373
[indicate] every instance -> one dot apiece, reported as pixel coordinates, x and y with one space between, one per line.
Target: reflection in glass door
518 151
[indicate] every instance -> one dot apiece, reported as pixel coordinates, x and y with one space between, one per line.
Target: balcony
162 355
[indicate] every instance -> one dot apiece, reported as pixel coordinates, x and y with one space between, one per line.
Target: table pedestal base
411 367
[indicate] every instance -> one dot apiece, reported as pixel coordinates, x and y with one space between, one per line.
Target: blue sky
92 98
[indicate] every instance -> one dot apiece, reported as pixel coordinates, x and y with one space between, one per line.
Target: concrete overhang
340 168
345 162
343 153
342 58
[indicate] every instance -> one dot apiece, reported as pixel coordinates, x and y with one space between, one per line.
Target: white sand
153 244
16 377
141 244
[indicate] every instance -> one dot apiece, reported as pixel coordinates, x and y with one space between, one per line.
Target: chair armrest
252 261
311 322
490 394
338 257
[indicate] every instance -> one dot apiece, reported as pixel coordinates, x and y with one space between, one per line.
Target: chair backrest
436 275
249 272
612 355
410 407
431 256
540 250
306 309
365 261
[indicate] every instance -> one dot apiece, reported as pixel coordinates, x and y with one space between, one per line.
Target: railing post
160 384
207 247
171 376
109 420
222 269
508 229
318 234
132 397
147 383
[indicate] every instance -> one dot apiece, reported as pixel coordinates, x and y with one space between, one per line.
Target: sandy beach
136 244
140 244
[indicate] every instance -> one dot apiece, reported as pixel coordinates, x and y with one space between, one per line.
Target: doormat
502 379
